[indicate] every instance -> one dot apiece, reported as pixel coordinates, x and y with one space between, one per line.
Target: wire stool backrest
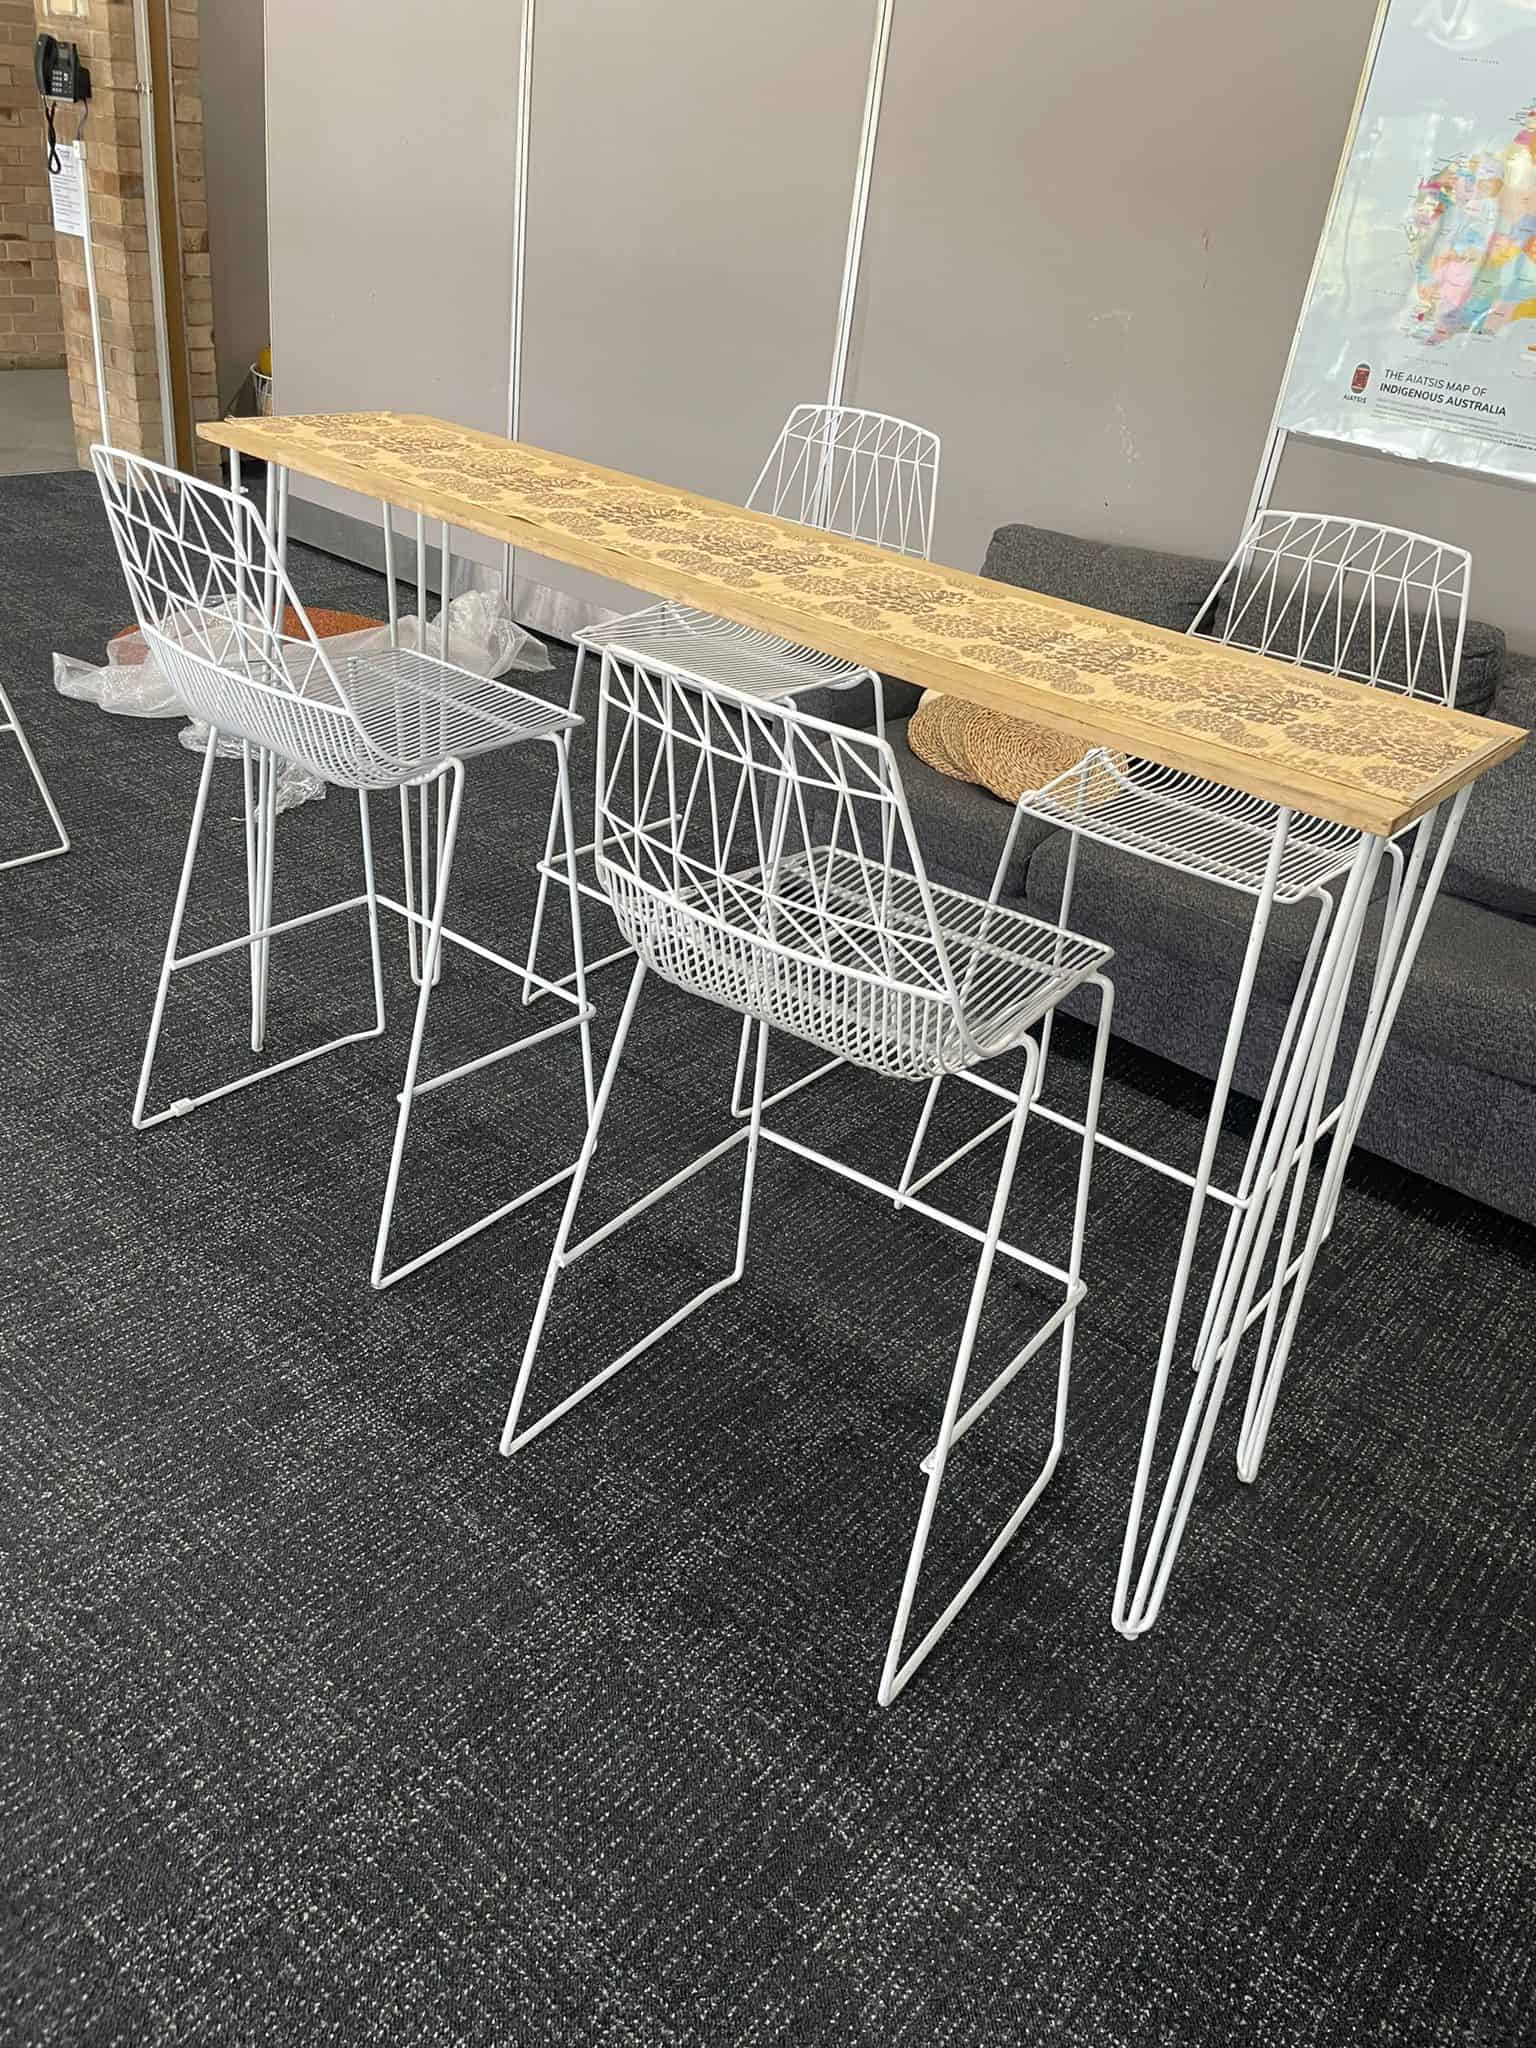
1373 603
766 859
862 474
209 591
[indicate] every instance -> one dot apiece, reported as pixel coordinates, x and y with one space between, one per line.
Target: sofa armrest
1494 859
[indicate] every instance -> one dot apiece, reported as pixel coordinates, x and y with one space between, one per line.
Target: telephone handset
60 74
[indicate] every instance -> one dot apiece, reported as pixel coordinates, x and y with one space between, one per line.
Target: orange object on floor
327 626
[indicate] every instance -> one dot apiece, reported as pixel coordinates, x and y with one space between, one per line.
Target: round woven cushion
972 744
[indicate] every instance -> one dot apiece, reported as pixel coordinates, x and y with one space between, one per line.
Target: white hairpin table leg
1402 933
1280 1155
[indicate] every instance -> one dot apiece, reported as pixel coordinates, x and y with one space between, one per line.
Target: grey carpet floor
323 1724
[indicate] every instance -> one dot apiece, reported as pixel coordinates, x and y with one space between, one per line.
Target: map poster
1419 337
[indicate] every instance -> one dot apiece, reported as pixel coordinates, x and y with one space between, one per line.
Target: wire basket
261 385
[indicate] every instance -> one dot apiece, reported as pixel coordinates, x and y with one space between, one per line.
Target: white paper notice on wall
66 188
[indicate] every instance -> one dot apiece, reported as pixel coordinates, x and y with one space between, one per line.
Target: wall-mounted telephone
59 72
60 76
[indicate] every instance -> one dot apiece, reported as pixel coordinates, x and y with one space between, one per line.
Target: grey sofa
1456 1095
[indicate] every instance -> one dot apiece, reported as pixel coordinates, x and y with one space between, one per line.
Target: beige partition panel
390 175
231 69
692 168
1090 232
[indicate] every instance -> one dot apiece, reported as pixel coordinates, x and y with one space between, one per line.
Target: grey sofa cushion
1471 999
1470 1130
1472 996
960 829
1139 583
1169 590
1494 859
856 706
1483 658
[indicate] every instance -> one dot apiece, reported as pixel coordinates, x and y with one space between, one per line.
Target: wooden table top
1367 758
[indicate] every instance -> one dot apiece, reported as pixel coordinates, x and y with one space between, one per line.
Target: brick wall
31 317
120 238
192 198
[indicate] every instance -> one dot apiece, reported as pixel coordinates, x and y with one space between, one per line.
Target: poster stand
1278 433
1276 438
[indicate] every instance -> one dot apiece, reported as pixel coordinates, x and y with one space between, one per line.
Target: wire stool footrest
749 1137
10 724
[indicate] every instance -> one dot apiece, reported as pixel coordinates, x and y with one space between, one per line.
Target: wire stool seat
759 664
1188 823
429 711
1011 968
866 475
764 860
1346 597
212 597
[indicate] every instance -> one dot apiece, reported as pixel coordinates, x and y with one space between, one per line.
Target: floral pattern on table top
1315 725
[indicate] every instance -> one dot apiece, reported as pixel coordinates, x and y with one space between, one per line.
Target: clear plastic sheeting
483 637
127 682
295 785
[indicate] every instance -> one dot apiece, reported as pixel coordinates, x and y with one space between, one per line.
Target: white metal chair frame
765 860
10 723
1344 596
210 590
865 475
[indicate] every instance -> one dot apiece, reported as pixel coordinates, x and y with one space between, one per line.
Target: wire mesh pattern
765 859
209 589
416 707
1370 603
756 664
1188 823
863 475
1348 597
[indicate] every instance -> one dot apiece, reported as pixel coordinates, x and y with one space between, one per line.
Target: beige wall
1089 235
1085 260
686 231
389 183
235 152
1085 255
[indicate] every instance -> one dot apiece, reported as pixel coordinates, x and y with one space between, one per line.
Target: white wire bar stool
1386 608
764 859
11 724
864 475
213 600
